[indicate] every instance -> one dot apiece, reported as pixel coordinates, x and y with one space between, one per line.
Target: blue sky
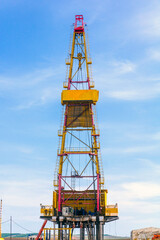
125 48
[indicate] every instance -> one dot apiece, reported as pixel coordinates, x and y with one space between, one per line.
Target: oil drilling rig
79 197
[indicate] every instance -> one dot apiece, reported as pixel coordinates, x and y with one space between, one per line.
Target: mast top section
79 24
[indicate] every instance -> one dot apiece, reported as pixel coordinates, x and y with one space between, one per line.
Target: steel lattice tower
79 198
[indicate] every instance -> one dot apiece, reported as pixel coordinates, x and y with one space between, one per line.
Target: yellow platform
111 210
85 202
68 96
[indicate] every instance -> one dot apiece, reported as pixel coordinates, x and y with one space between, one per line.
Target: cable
22 227
115 229
5 221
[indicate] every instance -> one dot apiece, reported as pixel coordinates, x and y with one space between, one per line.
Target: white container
67 211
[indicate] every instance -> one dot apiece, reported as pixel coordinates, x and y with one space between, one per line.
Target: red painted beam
98 197
41 230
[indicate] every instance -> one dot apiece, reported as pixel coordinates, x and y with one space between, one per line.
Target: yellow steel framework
50 233
79 177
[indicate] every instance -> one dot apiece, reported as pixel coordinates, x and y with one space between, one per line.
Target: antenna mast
1 220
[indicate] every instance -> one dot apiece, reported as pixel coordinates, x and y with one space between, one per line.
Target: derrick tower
79 198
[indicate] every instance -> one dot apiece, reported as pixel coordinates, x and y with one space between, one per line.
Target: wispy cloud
25 80
24 187
32 89
144 23
139 149
127 80
136 195
133 77
139 190
41 97
122 67
26 193
144 136
154 54
131 150
95 12
148 23
153 166
15 147
130 95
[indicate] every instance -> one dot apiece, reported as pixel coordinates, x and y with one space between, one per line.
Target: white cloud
127 95
154 54
41 97
32 89
144 136
27 79
136 197
145 23
138 149
131 150
16 147
119 176
140 190
154 168
125 80
156 136
26 105
122 67
26 192
135 93
149 23
134 80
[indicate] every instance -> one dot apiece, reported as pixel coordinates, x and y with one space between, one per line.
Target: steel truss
79 177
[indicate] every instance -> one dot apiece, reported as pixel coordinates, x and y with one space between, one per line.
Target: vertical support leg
98 194
97 227
97 231
49 234
101 233
54 231
93 230
98 208
65 232
46 234
90 228
60 231
82 232
59 194
90 231
72 232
